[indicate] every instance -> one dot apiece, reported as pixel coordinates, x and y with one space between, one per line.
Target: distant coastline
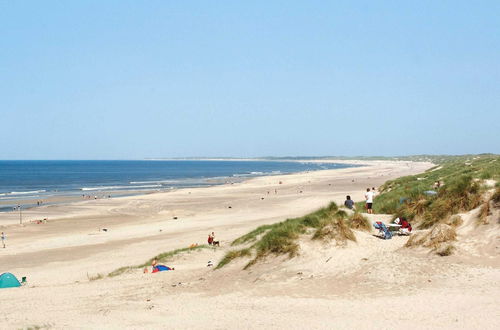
35 183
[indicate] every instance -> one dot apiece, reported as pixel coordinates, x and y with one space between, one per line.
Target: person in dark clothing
349 203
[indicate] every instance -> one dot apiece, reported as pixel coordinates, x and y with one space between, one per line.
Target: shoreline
8 205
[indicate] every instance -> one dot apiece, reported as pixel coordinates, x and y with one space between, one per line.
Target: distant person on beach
369 200
212 241
158 268
349 203
3 239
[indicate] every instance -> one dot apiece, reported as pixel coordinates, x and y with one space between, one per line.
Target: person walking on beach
369 200
3 239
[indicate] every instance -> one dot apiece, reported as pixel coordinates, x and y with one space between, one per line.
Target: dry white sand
369 284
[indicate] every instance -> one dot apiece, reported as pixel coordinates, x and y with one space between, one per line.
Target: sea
34 180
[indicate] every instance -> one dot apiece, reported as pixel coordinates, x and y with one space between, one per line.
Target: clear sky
134 79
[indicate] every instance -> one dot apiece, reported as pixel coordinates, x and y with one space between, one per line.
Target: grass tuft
437 238
445 250
335 229
455 221
359 222
484 212
231 255
496 196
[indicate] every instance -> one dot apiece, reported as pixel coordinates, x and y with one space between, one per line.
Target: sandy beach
368 284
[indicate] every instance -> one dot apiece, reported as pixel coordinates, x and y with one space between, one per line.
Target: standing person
369 200
3 239
210 238
349 203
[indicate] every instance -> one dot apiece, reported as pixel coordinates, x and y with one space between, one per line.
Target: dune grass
335 228
439 238
252 236
328 223
231 255
460 178
445 251
162 257
496 196
359 222
484 212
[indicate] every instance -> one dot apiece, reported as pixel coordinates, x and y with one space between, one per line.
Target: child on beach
3 239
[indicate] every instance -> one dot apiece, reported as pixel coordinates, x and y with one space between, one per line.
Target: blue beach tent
7 280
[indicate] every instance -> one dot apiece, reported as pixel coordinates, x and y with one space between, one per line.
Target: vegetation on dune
439 239
281 238
252 236
233 255
162 257
446 250
459 190
431 200
484 212
359 222
496 196
335 228
455 221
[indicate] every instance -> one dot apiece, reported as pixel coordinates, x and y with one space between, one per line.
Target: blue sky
135 79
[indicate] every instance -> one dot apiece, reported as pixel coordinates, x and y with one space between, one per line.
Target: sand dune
368 284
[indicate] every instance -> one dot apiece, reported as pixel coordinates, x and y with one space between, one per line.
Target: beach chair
383 230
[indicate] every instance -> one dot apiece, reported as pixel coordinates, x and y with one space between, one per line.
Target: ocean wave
256 174
154 182
120 187
23 192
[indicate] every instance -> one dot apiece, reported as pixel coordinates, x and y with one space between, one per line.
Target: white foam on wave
154 182
256 174
120 187
24 192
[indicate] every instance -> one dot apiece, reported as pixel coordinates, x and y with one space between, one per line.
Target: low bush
359 222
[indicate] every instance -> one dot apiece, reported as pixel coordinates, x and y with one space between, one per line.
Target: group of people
369 196
402 225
